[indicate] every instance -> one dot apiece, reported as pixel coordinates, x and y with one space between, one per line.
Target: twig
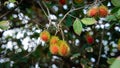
62 33
72 16
42 8
10 10
50 21
71 10
100 50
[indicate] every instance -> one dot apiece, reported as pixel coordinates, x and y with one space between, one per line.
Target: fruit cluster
57 46
101 11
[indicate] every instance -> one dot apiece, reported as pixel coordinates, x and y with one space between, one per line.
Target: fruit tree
59 33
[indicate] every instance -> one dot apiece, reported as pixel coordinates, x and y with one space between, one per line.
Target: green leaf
115 64
116 3
76 55
88 21
115 9
118 12
89 49
4 25
110 60
12 1
77 26
68 21
111 18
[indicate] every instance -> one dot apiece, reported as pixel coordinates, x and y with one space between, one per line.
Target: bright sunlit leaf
77 26
88 21
116 63
4 25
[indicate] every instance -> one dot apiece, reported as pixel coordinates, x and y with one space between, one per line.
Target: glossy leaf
77 26
88 21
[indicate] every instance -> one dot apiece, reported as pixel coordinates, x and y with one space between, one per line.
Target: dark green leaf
111 18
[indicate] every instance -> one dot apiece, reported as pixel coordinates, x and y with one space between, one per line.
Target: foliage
88 41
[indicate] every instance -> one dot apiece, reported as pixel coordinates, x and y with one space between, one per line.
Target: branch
6 13
68 61
50 21
62 34
42 8
100 50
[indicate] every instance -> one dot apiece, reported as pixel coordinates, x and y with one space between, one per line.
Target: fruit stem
62 34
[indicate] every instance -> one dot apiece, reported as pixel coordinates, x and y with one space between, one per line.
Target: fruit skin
62 2
45 35
54 40
93 11
64 49
103 11
89 39
54 48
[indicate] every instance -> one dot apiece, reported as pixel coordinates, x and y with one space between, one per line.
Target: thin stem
72 16
64 17
62 33
100 50
71 10
42 8
56 32
50 21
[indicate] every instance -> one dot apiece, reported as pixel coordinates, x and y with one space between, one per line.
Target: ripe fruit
62 2
54 48
64 49
89 39
54 40
45 35
93 11
103 11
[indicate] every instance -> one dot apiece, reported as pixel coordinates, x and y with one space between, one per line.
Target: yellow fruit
64 49
54 40
103 11
45 35
93 11
54 48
